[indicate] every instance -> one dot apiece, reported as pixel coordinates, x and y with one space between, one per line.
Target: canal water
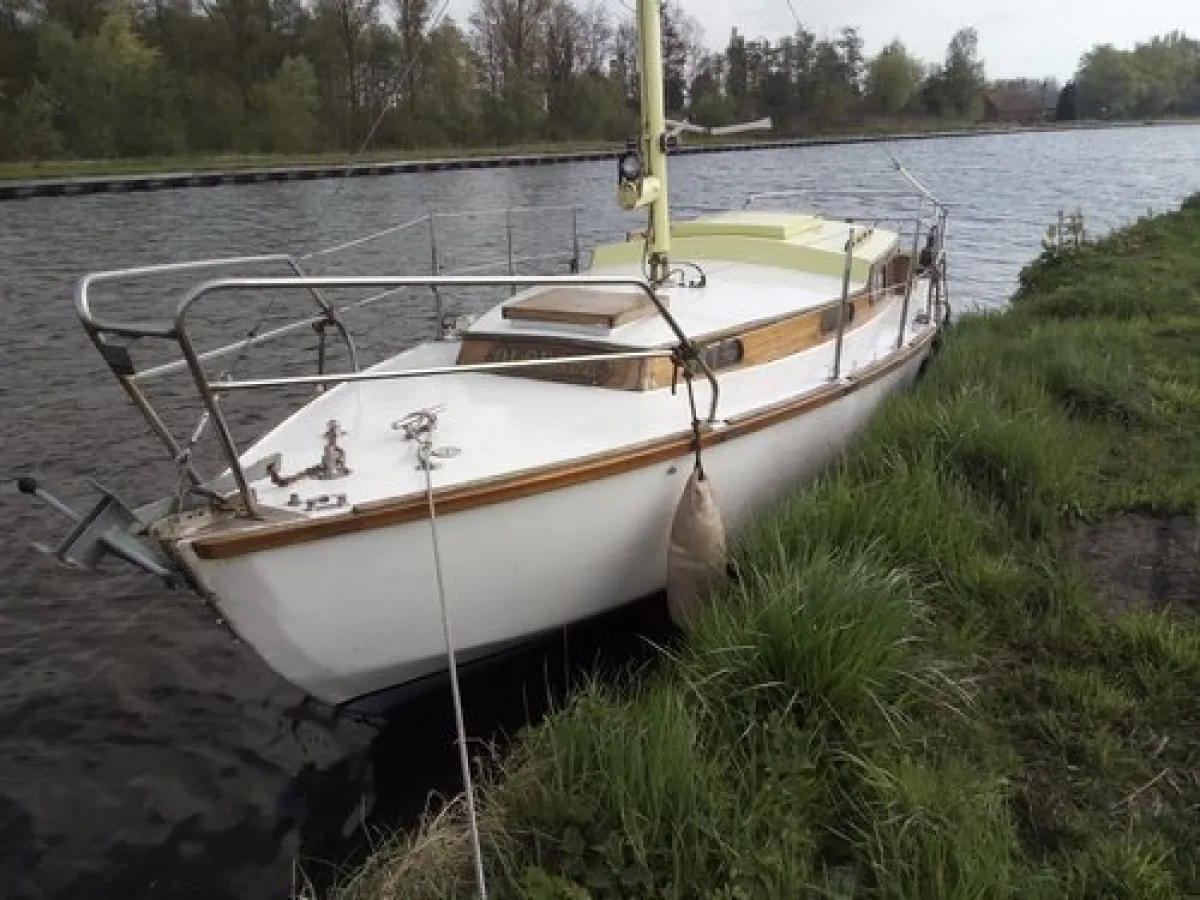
144 752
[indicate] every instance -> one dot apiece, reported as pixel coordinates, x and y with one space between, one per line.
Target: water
146 753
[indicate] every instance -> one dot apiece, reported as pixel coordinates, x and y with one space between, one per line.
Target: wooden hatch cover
582 306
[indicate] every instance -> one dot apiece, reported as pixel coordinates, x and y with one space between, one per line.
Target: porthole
723 354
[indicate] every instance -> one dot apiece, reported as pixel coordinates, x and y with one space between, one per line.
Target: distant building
1017 107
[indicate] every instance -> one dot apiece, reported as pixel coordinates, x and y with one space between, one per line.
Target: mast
643 180
654 132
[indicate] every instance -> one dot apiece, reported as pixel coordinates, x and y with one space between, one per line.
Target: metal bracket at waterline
112 527
107 528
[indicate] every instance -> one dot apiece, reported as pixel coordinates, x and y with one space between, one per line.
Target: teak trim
514 486
754 345
775 340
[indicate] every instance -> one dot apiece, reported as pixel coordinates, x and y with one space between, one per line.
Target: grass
911 688
23 170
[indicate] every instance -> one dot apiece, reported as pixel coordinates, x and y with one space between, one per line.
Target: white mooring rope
419 426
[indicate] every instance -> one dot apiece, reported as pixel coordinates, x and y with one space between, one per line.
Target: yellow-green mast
650 187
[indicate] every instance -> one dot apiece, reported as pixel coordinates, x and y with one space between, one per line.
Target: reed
914 687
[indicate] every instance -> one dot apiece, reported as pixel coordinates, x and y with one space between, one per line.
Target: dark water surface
143 752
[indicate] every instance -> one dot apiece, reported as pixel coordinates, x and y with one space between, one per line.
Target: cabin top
770 278
759 266
778 226
734 296
789 240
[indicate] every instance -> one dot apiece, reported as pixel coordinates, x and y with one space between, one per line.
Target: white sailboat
549 441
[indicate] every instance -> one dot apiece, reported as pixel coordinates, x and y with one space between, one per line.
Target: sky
1017 38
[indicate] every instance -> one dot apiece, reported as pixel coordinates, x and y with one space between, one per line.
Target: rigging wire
434 22
418 426
799 26
326 204
459 725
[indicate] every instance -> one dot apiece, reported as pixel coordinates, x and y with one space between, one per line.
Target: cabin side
547 323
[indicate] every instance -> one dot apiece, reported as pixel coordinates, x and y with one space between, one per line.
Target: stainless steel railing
99 325
928 222
193 360
933 225
328 313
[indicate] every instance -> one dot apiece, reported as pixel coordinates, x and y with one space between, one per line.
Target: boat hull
351 615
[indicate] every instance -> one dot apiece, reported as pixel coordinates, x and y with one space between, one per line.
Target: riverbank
965 663
56 178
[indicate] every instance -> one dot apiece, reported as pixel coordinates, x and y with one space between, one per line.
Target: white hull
355 614
555 489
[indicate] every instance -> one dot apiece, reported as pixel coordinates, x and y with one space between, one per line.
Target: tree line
129 78
1159 77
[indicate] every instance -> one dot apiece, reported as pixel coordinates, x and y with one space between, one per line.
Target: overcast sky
1033 38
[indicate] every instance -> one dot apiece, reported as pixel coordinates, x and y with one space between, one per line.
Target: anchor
110 526
106 528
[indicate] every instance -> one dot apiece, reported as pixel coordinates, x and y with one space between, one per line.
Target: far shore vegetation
53 169
965 663
91 87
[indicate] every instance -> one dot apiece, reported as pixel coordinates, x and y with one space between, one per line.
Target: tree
243 33
411 19
509 38
1066 110
1158 77
115 92
850 51
134 77
681 52
963 76
28 131
1108 83
347 23
737 83
289 109
18 45
448 108
833 94
563 27
893 79
797 60
623 65
78 17
594 40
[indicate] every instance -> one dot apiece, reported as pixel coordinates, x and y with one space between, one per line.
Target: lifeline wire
425 454
433 23
202 424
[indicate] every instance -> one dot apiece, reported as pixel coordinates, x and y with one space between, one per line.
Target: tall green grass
910 689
